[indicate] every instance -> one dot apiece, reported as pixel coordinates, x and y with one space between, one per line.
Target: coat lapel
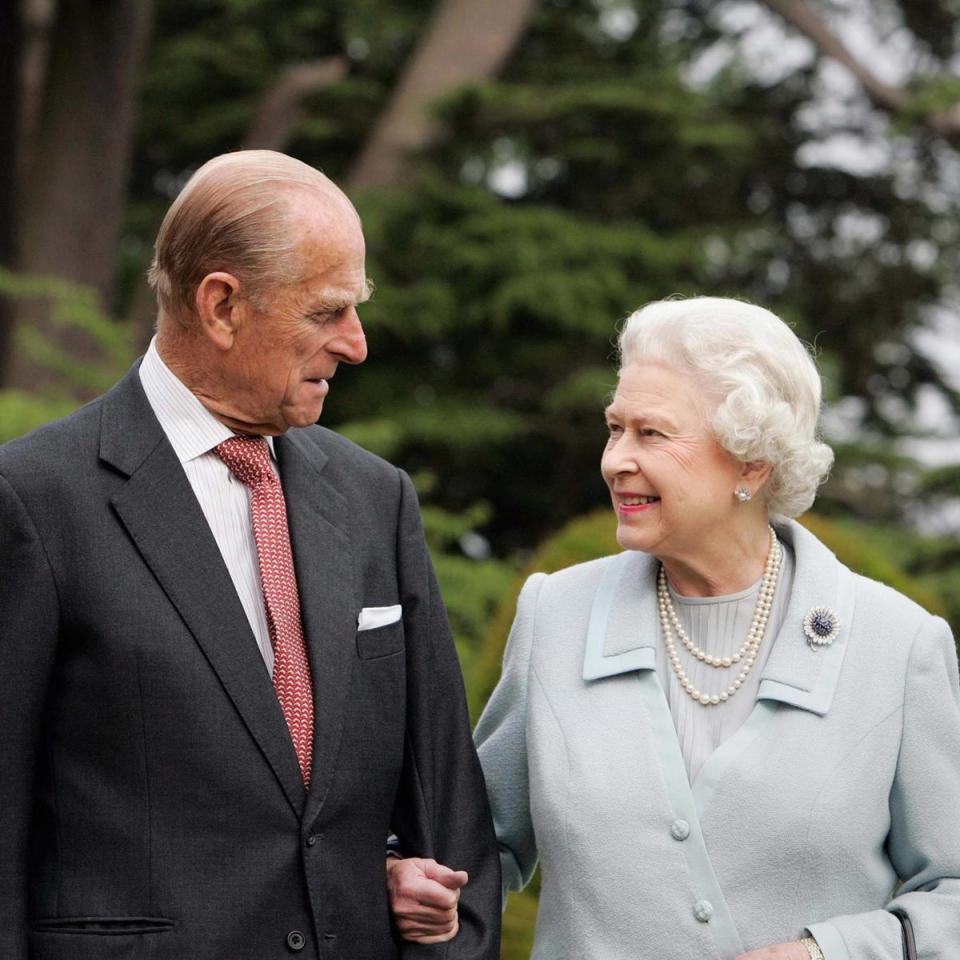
323 555
623 631
161 514
795 672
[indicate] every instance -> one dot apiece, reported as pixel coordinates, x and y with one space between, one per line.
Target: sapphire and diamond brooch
821 625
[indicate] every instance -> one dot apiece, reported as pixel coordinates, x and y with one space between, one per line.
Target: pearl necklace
747 654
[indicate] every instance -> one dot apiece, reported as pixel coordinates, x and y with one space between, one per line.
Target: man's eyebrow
335 300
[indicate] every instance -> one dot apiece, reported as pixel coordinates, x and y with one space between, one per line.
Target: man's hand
781 951
423 898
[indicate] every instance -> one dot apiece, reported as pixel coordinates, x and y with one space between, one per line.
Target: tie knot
248 459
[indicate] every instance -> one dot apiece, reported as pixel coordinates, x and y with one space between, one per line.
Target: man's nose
350 343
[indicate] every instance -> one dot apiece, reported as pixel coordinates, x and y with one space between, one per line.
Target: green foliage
942 481
519 922
583 538
74 310
21 412
588 177
930 95
879 555
501 297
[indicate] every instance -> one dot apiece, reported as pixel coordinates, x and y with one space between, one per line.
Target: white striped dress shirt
193 433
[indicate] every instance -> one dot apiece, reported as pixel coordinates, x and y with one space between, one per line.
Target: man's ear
219 308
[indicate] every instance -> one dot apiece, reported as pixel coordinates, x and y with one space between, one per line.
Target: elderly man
228 674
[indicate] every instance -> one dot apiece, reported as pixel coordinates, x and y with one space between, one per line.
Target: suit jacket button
296 940
312 840
679 829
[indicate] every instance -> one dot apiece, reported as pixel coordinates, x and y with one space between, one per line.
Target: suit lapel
324 559
158 508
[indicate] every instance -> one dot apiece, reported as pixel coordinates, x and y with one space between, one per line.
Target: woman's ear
754 475
219 308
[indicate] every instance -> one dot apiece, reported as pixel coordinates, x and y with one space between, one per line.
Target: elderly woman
720 743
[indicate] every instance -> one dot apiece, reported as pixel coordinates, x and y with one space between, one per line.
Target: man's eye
650 432
614 429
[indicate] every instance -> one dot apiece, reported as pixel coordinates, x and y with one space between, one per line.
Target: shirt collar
190 427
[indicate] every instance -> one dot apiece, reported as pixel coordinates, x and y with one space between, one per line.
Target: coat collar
623 631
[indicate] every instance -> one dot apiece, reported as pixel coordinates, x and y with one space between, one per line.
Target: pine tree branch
802 18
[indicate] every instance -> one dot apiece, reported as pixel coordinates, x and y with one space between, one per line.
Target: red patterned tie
249 460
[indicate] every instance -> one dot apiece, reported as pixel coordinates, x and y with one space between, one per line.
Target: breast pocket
380 641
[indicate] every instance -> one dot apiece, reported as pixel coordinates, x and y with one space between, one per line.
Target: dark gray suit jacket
151 804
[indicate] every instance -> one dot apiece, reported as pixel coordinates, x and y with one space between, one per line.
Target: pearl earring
743 495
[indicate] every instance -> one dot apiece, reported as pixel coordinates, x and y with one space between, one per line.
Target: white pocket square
372 617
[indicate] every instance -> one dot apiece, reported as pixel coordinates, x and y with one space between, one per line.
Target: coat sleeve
28 635
924 838
502 745
441 810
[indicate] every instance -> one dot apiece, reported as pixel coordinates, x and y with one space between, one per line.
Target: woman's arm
501 738
422 900
923 841
924 838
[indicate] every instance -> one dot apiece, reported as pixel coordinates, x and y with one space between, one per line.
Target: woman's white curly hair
761 389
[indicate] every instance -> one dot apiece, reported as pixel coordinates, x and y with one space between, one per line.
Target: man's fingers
431 893
416 917
423 898
451 879
415 895
427 935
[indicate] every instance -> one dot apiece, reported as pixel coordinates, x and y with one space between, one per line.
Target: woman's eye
650 432
614 428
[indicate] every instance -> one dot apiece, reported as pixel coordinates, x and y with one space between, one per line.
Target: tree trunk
465 42
11 38
280 105
36 22
73 191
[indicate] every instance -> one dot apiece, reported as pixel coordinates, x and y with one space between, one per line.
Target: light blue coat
843 783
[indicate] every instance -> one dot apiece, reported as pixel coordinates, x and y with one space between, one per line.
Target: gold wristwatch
813 948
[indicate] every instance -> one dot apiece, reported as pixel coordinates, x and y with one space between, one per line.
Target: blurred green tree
608 152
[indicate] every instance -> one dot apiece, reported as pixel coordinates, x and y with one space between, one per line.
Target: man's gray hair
234 215
760 386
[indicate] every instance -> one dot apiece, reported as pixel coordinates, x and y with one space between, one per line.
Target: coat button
312 840
703 910
679 829
296 940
